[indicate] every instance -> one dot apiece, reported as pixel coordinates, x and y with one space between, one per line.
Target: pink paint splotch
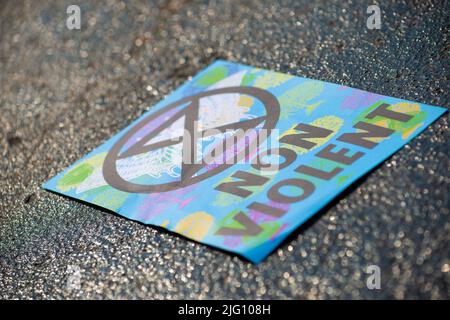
232 241
259 217
360 99
158 203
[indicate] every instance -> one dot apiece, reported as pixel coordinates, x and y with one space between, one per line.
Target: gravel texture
63 92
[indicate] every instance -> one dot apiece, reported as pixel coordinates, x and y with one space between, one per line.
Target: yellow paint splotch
246 101
271 80
196 225
332 123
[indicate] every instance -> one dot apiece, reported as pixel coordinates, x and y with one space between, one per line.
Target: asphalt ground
63 92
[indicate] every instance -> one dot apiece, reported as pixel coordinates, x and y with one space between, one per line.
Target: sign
239 157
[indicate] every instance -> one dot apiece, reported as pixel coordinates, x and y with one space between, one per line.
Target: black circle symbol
190 112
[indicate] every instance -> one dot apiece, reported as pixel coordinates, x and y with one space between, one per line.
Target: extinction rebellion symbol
188 108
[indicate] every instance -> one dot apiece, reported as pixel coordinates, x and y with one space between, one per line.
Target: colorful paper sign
239 157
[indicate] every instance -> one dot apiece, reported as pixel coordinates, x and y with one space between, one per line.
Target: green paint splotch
405 129
271 80
106 196
111 198
248 78
75 176
212 76
342 179
300 97
80 173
